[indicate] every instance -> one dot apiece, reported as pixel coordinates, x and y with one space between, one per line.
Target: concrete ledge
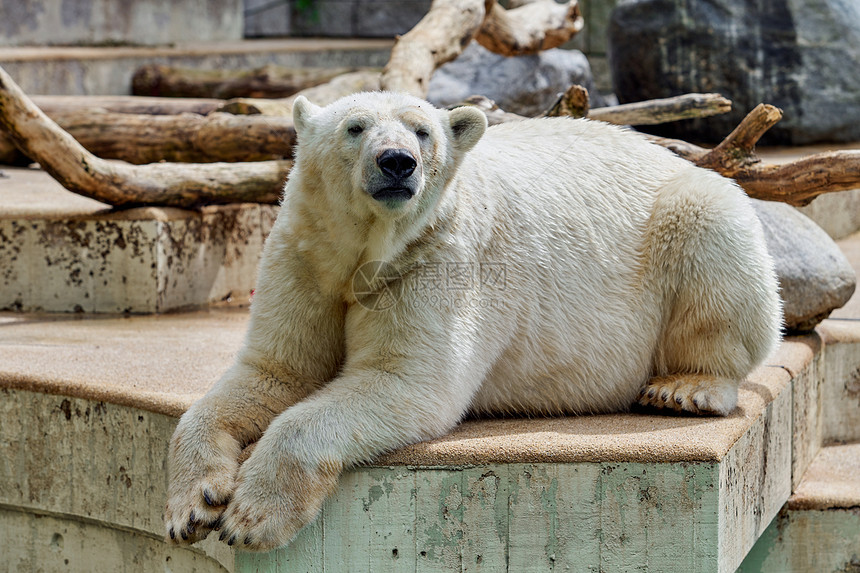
80 256
82 487
840 396
831 482
108 71
819 527
85 434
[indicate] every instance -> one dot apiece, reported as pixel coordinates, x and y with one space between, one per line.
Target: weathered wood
738 149
796 183
52 104
494 113
184 138
269 81
439 37
801 181
572 103
178 185
658 111
9 154
321 95
530 28
689 151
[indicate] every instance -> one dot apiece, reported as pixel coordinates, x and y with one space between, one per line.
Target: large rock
800 55
815 278
527 85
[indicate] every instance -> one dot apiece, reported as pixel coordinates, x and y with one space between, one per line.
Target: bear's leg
722 312
402 383
294 345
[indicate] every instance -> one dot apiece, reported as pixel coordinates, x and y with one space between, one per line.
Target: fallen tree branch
53 104
121 184
530 28
796 183
801 181
439 37
656 111
737 151
495 114
689 151
269 81
324 94
184 138
572 103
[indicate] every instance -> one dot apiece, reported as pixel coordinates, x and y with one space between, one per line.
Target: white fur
628 274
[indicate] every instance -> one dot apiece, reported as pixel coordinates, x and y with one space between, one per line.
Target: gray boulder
800 55
527 85
815 278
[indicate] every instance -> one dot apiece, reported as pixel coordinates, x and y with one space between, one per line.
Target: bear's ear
303 111
468 124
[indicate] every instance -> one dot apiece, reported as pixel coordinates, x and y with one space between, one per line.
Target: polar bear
424 267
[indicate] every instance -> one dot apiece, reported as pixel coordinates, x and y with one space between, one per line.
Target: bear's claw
695 393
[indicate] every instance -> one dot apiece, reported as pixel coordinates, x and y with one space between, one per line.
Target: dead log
530 28
52 104
737 150
184 138
323 94
11 155
437 38
269 81
449 26
572 103
801 181
121 184
655 111
495 114
796 183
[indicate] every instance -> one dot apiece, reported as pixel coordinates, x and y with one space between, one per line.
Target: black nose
396 163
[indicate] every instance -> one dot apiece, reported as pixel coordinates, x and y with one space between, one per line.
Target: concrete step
108 70
89 404
66 253
818 530
60 252
840 392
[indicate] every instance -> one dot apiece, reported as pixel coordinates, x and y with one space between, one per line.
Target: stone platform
89 403
60 252
88 407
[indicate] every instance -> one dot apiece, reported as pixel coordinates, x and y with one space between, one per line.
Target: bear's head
383 154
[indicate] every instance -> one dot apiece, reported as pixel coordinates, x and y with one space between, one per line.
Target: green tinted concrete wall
819 541
517 517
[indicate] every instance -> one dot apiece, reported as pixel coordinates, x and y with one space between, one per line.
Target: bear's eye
422 133
355 130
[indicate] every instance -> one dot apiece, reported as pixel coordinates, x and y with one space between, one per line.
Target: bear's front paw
202 478
696 393
274 499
